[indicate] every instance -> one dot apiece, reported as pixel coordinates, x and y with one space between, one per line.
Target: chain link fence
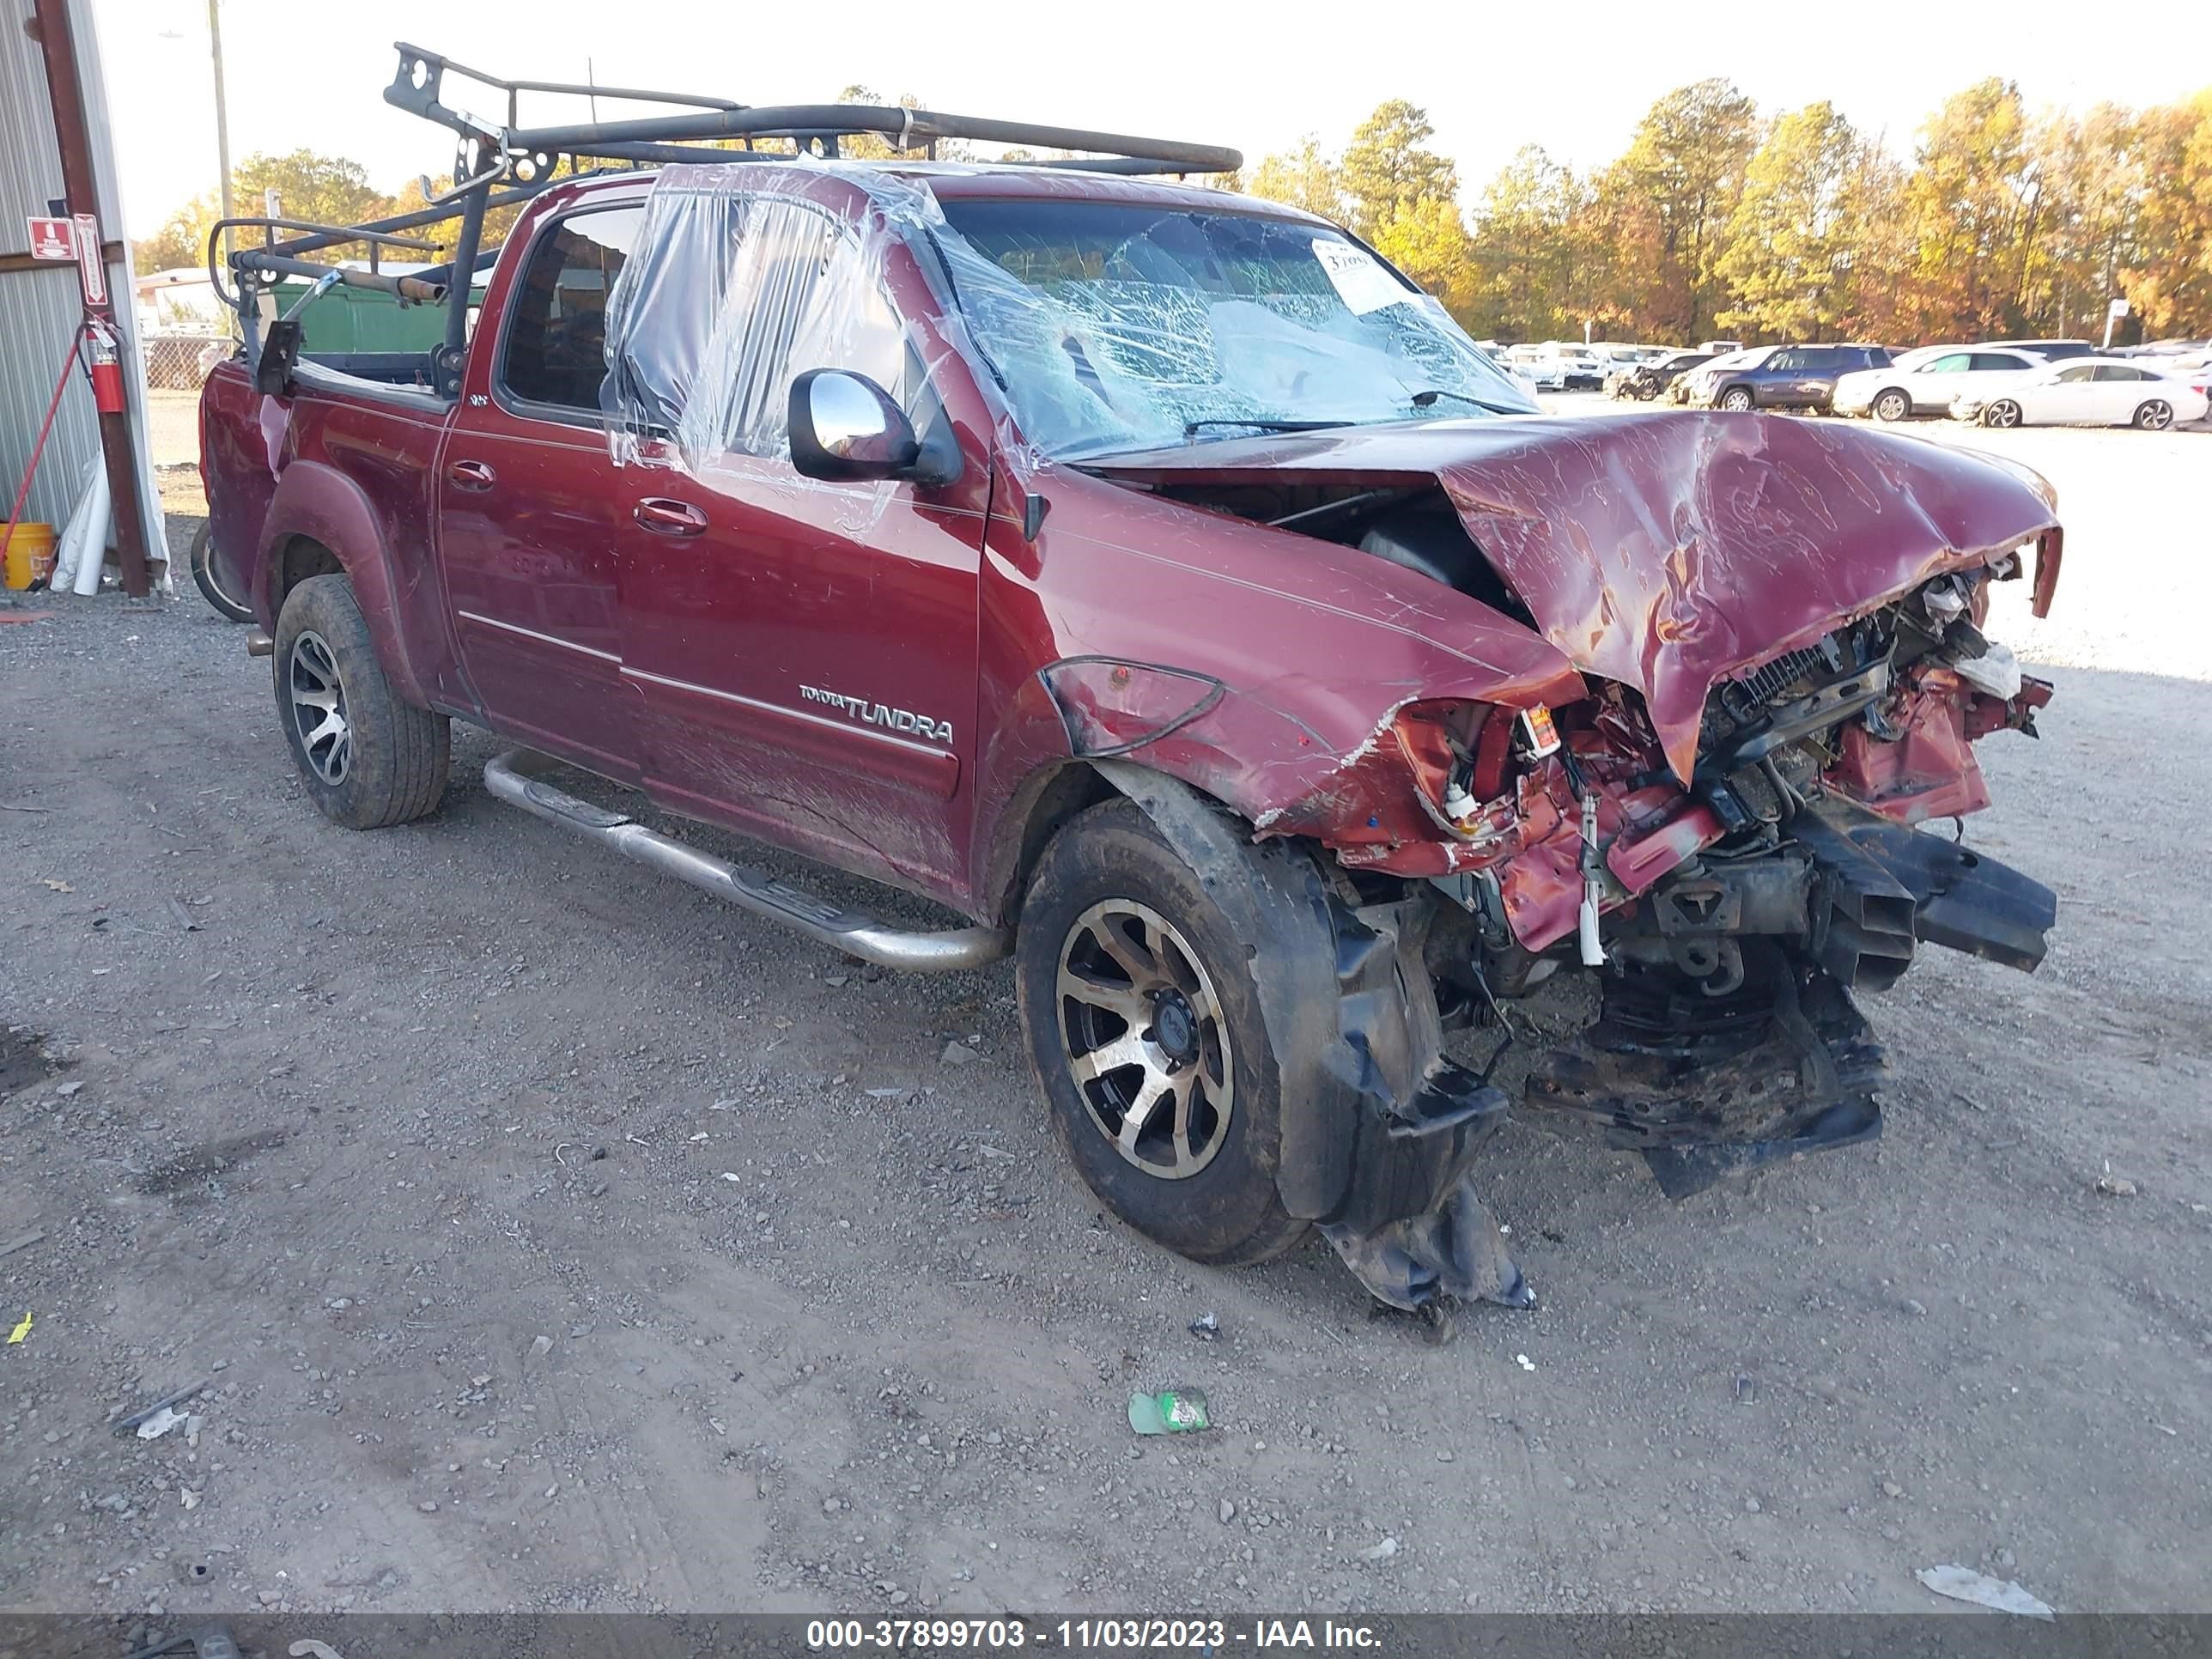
180 363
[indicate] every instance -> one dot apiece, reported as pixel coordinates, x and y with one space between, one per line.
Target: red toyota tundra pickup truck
1154 576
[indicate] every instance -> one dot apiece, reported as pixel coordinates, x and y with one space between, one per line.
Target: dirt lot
552 1237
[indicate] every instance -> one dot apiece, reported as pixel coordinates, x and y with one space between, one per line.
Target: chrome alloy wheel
1143 1033
318 708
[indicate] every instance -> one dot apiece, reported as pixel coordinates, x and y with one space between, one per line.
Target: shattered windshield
1115 327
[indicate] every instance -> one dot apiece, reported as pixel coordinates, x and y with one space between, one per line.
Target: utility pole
222 112
73 138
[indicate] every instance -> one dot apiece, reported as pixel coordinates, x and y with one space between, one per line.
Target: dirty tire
1892 405
390 766
2156 416
1229 1211
1737 400
203 578
2003 413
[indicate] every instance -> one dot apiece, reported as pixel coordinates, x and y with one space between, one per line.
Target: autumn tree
1427 239
2091 168
327 190
2169 279
1977 205
1305 177
1388 169
1686 161
1786 257
1524 251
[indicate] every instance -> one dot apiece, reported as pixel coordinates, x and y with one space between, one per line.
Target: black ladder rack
503 163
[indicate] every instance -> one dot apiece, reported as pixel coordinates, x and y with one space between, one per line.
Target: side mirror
843 426
280 354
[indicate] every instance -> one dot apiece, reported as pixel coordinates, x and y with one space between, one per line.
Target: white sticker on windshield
1362 282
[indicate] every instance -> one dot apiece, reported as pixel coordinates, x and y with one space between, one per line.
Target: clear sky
1573 78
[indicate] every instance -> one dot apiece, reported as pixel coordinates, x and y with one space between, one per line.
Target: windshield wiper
1427 399
1192 429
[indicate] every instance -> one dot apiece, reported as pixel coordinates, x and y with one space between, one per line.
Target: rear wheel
367 759
209 585
2156 416
2004 412
1144 1029
1892 405
1736 398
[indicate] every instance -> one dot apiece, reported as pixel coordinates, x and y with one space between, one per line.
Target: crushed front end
1728 916
1715 790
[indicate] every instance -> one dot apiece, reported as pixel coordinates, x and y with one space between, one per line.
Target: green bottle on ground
1173 1411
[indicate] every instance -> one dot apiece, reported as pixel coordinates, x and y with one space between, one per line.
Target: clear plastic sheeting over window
1115 326
1109 324
739 288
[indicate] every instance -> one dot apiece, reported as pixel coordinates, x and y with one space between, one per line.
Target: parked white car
1579 365
2094 392
1928 380
1543 373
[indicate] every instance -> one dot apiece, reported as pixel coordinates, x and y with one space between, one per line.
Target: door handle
666 517
470 475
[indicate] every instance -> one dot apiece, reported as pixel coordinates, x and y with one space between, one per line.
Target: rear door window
1991 362
2119 372
554 351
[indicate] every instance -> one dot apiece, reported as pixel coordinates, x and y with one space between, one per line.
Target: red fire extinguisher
106 370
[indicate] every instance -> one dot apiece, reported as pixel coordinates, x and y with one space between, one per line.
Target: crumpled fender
315 499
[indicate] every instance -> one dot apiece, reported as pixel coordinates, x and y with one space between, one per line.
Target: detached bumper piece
1706 1087
1957 897
1408 1222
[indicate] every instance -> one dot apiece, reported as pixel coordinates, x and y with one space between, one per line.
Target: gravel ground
550 1236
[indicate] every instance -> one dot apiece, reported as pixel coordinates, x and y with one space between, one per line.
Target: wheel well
1045 800
302 557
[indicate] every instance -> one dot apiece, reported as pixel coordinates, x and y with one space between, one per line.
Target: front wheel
367 759
1144 1029
1892 405
2004 412
2156 416
1735 399
209 585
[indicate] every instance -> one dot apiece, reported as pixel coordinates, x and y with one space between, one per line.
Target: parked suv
1780 377
1159 582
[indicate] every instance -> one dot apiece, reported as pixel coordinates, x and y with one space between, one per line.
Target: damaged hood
1669 551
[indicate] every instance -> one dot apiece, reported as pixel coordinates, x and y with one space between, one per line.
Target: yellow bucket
30 555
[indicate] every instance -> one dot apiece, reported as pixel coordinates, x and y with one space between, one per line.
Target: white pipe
65 544
92 551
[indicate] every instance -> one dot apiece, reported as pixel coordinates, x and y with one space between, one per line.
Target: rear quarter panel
348 470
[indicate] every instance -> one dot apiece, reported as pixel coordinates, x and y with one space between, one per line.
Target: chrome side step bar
513 777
